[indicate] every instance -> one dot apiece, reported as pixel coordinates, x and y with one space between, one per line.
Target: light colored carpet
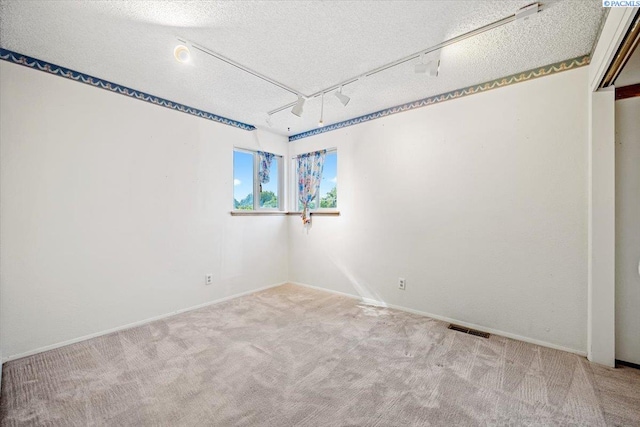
294 356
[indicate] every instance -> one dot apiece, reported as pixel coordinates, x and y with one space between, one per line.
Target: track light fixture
299 107
344 99
321 122
268 120
420 67
182 53
432 67
525 12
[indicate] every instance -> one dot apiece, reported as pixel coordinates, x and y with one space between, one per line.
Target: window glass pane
269 191
329 183
242 180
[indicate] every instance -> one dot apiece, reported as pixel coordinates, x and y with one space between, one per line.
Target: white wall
480 203
113 210
601 253
628 230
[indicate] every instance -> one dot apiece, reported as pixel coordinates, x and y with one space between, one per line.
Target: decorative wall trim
36 64
558 67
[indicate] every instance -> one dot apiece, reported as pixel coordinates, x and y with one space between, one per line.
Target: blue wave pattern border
37 64
558 67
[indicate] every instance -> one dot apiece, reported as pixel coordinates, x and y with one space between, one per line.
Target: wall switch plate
402 284
208 279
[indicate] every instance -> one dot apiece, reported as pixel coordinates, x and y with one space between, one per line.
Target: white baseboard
344 294
449 320
491 330
134 324
331 291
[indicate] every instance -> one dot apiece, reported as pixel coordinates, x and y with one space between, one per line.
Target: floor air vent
469 331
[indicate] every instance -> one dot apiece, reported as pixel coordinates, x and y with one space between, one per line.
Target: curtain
309 176
265 166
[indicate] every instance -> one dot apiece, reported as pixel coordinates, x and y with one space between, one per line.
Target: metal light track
400 61
351 80
239 66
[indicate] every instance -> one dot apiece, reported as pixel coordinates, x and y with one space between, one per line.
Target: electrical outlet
402 284
208 279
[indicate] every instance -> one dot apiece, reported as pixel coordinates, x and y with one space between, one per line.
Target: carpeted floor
294 356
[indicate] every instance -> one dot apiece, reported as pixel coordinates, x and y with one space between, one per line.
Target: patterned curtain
265 166
309 176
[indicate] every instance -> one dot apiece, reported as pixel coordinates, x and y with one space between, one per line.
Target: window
256 172
328 193
329 183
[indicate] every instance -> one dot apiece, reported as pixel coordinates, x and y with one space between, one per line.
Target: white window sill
319 213
258 213
278 213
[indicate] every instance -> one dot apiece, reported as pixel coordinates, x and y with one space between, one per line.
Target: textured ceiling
307 45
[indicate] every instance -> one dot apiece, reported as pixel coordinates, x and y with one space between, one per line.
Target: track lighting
299 107
525 12
268 120
182 53
432 67
321 122
344 99
421 67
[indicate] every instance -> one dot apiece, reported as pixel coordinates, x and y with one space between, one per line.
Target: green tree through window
330 200
247 174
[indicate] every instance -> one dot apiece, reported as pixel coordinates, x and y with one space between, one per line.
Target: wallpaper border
524 76
37 64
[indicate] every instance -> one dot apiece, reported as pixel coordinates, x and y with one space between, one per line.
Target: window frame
294 183
279 158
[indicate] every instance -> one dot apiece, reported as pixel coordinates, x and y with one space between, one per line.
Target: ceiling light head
434 67
182 53
420 67
344 99
525 12
299 107
320 123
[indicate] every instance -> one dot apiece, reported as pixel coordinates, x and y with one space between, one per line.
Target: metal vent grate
469 331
